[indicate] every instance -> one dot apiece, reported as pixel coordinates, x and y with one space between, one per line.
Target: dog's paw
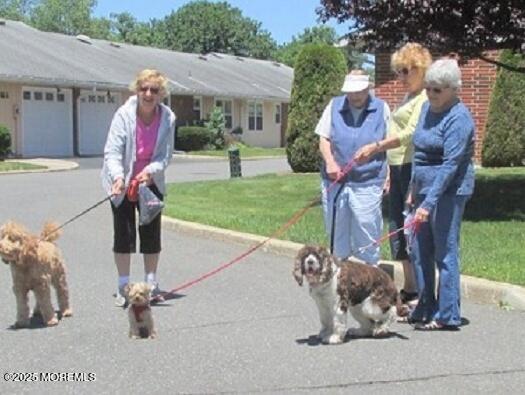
333 339
52 322
67 313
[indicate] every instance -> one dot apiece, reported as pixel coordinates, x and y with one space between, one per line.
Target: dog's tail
50 232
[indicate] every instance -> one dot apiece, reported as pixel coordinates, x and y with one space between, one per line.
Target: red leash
293 220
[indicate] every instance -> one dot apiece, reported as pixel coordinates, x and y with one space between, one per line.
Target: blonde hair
153 76
411 55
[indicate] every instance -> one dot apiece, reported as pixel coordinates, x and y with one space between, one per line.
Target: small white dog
338 286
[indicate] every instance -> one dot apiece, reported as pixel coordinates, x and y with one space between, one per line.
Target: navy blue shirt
443 150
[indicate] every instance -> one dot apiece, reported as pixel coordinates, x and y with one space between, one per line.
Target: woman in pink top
138 150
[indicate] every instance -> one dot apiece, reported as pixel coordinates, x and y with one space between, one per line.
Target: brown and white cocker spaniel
339 286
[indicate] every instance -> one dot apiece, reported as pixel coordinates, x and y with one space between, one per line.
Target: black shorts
399 183
125 230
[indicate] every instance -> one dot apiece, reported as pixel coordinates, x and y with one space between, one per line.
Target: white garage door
47 122
95 112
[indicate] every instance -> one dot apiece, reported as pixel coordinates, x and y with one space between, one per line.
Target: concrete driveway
246 330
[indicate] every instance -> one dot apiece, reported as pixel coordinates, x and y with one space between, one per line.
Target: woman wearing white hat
349 122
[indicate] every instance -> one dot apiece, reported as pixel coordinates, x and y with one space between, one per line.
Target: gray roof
31 56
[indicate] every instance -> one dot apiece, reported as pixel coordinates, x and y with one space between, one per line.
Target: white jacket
121 148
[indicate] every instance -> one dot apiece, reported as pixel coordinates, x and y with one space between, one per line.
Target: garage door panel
47 122
95 112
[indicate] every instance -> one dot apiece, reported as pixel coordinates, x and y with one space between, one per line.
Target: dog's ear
298 265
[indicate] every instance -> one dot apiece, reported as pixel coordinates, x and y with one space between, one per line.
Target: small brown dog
36 264
141 323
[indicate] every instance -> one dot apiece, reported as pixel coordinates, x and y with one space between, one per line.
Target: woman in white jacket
138 149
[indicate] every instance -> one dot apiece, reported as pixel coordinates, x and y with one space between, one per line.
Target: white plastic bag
149 205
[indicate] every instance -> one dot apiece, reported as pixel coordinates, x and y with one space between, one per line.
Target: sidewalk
474 289
49 164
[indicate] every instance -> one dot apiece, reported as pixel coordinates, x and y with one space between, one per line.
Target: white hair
444 72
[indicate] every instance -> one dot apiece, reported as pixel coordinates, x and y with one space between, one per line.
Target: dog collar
138 310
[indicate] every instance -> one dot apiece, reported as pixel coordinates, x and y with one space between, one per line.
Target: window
255 116
4 95
38 95
60 97
50 96
101 99
226 107
111 99
91 99
27 95
197 108
277 113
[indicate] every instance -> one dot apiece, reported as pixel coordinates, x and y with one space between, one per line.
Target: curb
474 289
50 165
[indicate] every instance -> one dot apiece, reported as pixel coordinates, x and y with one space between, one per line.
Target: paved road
246 330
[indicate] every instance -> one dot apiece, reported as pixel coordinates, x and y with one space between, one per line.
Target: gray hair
444 72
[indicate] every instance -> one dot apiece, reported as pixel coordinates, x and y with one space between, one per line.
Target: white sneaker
156 294
120 298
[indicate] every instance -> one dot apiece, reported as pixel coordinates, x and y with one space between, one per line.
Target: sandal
435 326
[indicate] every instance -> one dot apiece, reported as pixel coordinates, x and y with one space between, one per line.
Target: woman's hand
364 153
421 215
333 170
118 187
144 177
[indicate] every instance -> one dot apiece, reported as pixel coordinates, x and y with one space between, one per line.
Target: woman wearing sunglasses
409 63
442 182
138 150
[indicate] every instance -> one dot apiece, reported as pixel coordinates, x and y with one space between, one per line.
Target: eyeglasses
432 89
404 71
154 91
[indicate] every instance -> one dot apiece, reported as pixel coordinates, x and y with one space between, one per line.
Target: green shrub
217 125
504 143
318 75
192 138
5 142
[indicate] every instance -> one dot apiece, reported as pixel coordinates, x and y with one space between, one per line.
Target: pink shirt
146 139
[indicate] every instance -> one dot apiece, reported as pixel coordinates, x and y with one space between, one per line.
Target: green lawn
13 165
493 232
244 151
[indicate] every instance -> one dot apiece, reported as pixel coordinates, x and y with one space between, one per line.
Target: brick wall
478 78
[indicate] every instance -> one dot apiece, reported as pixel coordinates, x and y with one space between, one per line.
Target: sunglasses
154 91
437 91
403 71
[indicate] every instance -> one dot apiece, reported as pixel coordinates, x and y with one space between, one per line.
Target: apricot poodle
36 264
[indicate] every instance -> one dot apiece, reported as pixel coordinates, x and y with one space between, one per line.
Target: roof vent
83 38
203 57
2 22
217 55
276 64
114 44
239 58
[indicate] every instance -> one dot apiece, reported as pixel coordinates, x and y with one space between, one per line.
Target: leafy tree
63 16
17 10
318 76
100 28
468 27
202 26
504 144
287 53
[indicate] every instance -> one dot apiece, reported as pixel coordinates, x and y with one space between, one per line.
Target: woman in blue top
442 182
349 122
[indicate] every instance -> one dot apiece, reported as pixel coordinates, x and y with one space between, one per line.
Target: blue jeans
437 244
359 221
